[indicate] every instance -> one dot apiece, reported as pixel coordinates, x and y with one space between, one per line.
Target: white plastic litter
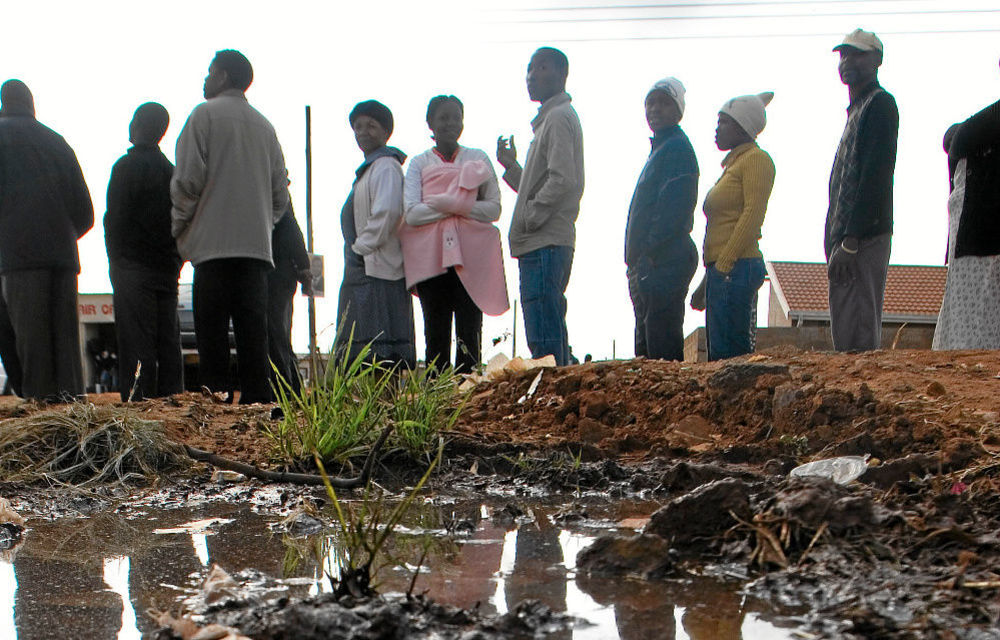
841 470
531 389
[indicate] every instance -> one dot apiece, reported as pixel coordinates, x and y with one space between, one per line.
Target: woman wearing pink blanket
451 250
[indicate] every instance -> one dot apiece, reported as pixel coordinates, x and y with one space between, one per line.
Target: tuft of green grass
341 414
425 404
338 417
364 529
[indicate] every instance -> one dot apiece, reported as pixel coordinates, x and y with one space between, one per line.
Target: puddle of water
98 576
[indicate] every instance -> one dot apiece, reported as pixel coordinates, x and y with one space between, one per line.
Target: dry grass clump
84 444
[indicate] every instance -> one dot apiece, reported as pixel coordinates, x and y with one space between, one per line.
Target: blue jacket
661 214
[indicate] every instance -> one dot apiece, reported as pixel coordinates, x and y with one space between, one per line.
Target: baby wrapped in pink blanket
471 246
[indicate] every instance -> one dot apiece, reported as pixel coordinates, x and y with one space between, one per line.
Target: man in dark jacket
659 252
144 261
291 266
45 208
859 220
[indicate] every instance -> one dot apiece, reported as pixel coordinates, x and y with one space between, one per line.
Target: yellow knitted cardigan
736 205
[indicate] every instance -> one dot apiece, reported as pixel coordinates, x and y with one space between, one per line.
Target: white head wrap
748 111
673 88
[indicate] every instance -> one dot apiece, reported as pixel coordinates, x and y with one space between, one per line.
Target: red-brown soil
887 403
804 404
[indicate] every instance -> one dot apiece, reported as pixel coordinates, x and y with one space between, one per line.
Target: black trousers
148 332
8 350
280 305
232 289
42 308
659 296
441 298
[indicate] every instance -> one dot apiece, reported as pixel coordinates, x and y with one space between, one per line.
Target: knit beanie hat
673 88
375 110
748 112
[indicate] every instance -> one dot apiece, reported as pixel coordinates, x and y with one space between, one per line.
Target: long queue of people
430 232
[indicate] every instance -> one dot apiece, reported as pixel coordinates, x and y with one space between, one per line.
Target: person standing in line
859 221
660 256
144 261
734 208
291 267
229 189
451 250
970 312
45 208
374 307
549 188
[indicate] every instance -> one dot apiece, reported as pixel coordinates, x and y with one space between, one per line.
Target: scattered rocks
594 405
591 431
811 502
935 389
702 513
744 375
644 556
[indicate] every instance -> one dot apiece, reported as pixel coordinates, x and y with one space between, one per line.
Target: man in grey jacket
549 188
228 191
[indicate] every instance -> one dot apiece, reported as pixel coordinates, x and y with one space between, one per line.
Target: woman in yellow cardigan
735 208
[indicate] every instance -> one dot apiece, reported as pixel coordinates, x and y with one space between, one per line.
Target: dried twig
294 478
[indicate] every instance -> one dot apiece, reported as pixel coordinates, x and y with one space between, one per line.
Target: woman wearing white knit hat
735 208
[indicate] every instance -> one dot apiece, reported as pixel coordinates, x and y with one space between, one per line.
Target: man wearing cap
45 208
660 256
549 188
228 191
859 220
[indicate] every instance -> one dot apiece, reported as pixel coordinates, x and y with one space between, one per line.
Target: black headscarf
375 110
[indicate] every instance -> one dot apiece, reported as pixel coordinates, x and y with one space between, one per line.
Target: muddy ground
910 550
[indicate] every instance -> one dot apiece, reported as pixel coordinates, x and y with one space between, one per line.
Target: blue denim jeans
544 276
731 303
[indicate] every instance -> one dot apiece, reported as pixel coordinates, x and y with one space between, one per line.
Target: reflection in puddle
8 590
116 572
93 575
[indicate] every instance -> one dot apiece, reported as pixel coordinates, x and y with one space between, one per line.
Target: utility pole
513 349
313 350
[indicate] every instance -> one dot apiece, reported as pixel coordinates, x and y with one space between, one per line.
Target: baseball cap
862 40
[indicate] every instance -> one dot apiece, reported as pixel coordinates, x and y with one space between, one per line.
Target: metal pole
513 350
313 351
613 350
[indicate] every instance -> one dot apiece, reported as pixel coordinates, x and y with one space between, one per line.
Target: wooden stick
295 478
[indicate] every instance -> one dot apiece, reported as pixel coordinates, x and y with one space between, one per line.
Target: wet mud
658 493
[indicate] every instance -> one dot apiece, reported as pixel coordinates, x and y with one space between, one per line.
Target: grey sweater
550 186
230 186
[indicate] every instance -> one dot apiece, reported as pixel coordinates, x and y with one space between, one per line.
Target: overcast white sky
90 64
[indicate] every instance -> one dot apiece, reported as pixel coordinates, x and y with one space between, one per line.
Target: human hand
843 265
305 277
698 297
506 152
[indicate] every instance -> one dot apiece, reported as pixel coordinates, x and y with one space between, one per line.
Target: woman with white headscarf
735 208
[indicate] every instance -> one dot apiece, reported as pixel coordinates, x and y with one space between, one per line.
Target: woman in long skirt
375 307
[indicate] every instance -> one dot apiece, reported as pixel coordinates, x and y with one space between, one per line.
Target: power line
918 12
718 36
697 5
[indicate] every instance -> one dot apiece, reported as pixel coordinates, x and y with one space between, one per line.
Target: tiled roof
909 290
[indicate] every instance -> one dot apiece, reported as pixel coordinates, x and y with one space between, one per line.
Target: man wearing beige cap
859 219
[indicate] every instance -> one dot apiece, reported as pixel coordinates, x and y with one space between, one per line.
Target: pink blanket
472 247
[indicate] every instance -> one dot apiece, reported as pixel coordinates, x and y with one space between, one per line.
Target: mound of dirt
775 404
